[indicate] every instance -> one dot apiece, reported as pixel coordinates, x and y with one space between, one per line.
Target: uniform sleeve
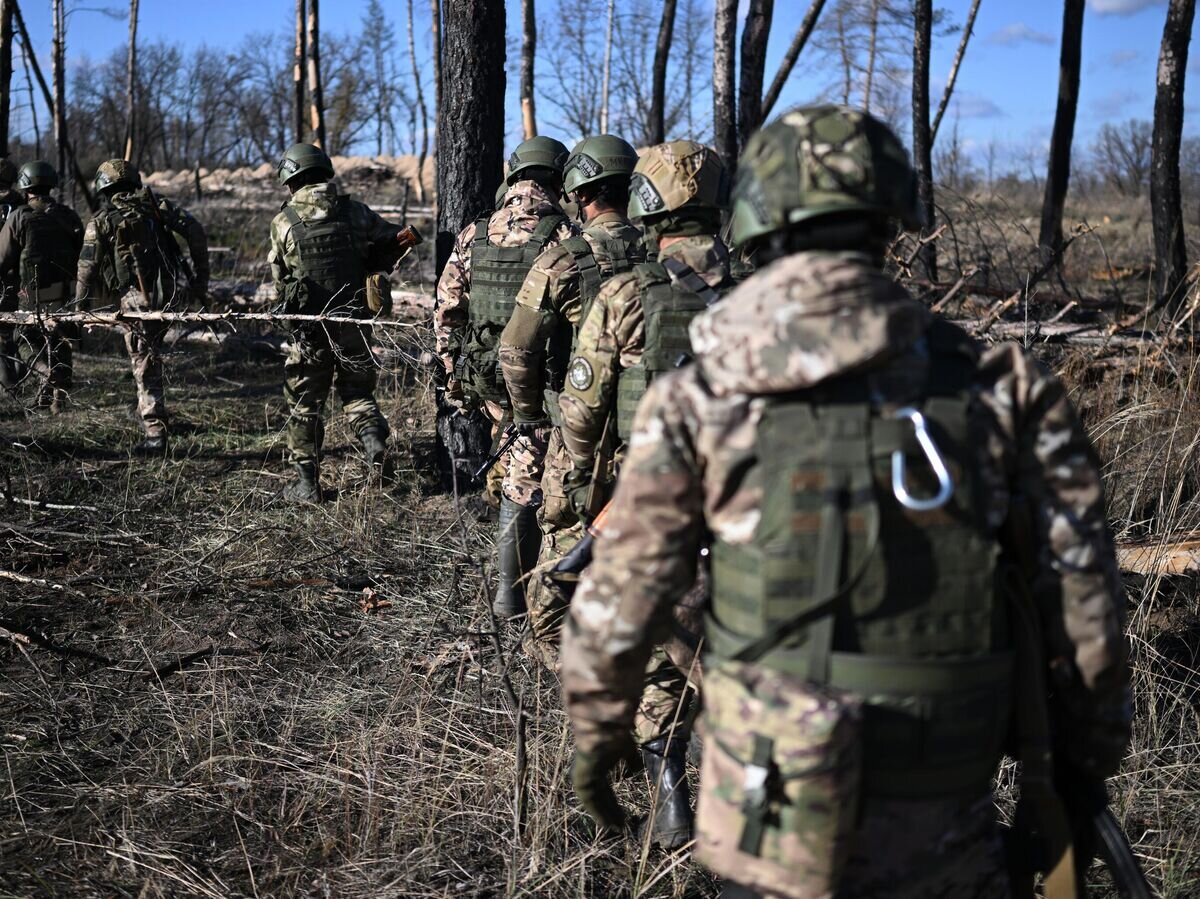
1077 584
453 290
90 287
383 250
605 337
535 317
644 563
10 248
275 258
189 228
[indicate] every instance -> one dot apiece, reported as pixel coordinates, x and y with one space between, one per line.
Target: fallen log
1164 557
124 319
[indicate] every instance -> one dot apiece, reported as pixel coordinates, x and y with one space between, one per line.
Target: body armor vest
145 255
49 254
332 274
844 585
497 274
672 295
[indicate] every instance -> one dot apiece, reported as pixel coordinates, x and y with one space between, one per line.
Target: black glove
591 777
578 487
529 428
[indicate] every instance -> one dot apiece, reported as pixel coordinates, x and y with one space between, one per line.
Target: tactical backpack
332 275
497 274
49 253
672 295
868 598
145 256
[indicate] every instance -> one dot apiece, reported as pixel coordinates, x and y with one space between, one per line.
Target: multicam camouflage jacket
524 205
550 299
690 475
613 337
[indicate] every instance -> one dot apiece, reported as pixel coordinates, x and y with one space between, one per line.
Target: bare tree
656 124
1058 172
1166 203
422 112
6 71
606 77
528 58
803 33
872 49
1122 156
724 81
58 75
754 61
968 29
315 94
300 109
131 79
435 10
922 140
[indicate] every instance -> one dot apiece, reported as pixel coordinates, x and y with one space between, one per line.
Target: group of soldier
890 542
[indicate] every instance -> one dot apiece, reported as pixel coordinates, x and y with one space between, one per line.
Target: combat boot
155 445
306 486
666 768
10 375
517 551
374 445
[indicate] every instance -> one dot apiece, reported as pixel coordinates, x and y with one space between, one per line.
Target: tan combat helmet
117 175
680 174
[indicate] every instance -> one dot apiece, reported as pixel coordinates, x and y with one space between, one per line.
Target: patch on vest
581 374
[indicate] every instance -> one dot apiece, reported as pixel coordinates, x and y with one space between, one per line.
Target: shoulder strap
545 230
295 223
686 276
481 232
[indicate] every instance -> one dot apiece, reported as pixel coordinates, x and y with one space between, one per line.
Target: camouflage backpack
49 252
145 256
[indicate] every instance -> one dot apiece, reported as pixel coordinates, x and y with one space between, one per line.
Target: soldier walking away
852 460
475 299
635 332
131 256
537 344
39 251
327 253
10 199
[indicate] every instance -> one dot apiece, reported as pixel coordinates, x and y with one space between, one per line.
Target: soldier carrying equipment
851 461
10 199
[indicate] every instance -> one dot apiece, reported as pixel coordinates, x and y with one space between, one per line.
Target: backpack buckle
936 461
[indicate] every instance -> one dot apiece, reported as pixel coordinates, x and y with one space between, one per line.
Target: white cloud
1113 105
1019 33
1121 7
975 106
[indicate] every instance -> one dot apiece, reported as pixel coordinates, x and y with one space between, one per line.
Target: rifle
508 438
580 557
1041 827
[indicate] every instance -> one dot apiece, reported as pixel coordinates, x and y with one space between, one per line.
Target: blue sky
1006 91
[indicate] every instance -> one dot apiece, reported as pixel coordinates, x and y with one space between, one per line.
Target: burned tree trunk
754 63
724 70
1058 174
968 29
803 33
298 107
315 94
922 141
528 57
656 126
59 77
6 71
131 80
423 154
1170 250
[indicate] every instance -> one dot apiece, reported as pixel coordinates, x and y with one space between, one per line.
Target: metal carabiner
932 454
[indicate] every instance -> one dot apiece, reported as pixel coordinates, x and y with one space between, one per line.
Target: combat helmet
37 174
536 153
301 158
820 161
596 158
117 175
677 175
8 172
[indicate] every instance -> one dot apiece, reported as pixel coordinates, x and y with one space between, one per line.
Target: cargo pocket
779 786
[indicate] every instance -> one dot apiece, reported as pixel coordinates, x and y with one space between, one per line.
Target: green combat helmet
536 153
301 158
821 161
597 158
8 172
680 174
37 174
117 175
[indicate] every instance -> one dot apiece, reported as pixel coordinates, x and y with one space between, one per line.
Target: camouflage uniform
524 206
548 311
10 200
694 473
49 290
320 356
103 279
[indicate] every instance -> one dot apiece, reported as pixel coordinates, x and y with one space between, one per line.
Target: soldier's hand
453 393
529 428
591 777
578 487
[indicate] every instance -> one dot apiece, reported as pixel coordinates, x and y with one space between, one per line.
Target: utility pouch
379 294
780 782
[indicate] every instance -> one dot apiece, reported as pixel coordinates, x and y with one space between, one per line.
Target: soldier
10 199
851 459
39 245
536 346
475 299
635 331
324 245
131 256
